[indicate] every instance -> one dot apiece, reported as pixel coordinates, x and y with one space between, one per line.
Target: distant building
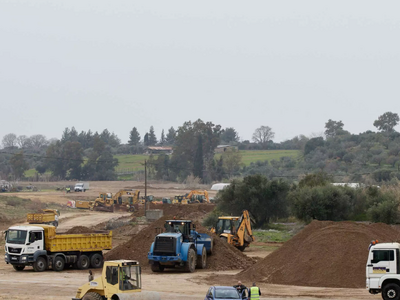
223 148
158 150
219 186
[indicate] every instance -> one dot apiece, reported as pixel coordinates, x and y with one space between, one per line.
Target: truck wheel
391 291
202 259
18 268
96 261
58 263
157 268
92 296
40 265
191 261
83 262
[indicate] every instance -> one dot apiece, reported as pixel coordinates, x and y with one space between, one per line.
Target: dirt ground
171 285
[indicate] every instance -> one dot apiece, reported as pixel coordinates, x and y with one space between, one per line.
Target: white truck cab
81 186
23 245
383 270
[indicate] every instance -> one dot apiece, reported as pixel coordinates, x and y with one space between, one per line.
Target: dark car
222 293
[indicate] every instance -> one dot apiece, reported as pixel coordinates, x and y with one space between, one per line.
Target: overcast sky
289 65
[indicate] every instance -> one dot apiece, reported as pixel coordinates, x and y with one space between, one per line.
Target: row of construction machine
235 230
47 216
195 196
123 200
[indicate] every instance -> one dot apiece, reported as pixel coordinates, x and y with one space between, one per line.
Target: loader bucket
137 296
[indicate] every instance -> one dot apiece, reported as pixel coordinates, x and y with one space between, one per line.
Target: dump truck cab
118 278
383 270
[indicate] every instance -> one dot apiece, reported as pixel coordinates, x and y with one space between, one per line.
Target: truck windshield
129 278
16 236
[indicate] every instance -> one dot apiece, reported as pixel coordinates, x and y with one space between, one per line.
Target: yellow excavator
195 196
120 280
235 230
109 202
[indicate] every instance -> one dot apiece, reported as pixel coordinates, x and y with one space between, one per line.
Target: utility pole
145 187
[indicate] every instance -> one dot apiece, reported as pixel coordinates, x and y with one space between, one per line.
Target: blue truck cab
180 246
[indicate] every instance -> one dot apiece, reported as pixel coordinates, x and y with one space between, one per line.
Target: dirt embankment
324 254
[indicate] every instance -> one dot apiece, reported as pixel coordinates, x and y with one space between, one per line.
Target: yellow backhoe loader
235 230
122 200
195 196
120 280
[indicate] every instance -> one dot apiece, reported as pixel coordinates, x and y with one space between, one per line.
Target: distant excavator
123 200
195 196
235 230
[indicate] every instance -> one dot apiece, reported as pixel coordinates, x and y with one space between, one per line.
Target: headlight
23 258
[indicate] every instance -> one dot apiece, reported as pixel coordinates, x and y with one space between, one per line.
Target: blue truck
180 246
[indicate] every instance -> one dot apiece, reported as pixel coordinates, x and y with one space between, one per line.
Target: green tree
229 135
134 137
264 199
263 135
10 140
317 179
18 164
65 159
146 140
152 137
198 164
232 161
171 135
313 144
333 128
162 138
387 122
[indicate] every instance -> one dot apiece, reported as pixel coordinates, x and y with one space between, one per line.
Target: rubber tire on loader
191 261
157 268
92 296
96 260
59 264
391 291
202 259
83 262
18 268
40 264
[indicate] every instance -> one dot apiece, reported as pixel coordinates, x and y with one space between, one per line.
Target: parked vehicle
47 216
223 293
81 187
180 246
41 247
383 270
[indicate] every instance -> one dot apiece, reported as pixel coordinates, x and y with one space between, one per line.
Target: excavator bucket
143 295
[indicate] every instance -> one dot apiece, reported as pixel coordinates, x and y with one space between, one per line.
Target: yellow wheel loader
235 230
120 280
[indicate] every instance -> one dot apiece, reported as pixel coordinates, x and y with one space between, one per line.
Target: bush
211 219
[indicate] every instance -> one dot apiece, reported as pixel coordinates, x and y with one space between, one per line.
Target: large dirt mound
325 254
224 257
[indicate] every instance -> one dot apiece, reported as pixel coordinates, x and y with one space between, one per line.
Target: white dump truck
383 270
81 186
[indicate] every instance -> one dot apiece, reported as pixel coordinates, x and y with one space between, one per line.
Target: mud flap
138 296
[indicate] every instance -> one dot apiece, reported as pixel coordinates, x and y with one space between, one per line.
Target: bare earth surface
171 285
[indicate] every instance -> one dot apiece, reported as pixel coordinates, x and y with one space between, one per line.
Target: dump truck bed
40 218
84 242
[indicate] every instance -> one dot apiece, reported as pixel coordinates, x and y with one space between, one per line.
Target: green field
134 163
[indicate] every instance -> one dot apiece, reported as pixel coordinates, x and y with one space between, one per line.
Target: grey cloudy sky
290 65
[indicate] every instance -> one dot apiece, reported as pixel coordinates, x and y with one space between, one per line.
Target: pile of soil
224 257
78 230
186 211
323 254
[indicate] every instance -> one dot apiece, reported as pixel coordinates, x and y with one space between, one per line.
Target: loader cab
180 226
227 225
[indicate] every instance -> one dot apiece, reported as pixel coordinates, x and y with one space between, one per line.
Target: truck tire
391 291
157 268
202 259
58 264
83 262
40 264
96 260
18 268
92 296
191 261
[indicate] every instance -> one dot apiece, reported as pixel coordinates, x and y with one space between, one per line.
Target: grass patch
272 235
252 156
269 248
